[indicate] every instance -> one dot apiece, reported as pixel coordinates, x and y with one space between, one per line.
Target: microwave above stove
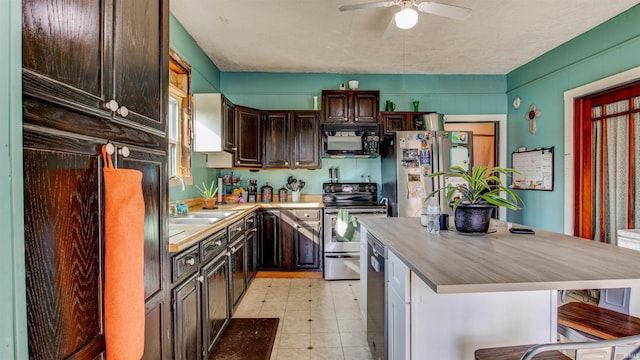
350 141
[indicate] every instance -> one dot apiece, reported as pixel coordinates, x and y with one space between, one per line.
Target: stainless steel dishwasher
376 298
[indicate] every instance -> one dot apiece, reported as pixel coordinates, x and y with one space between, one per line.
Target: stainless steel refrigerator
410 156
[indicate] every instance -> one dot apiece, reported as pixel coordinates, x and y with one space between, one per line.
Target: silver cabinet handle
190 261
123 111
239 228
306 215
297 163
200 278
218 242
124 151
233 249
346 119
286 163
250 221
356 119
111 105
234 149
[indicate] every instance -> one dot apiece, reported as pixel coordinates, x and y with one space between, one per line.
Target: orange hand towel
123 262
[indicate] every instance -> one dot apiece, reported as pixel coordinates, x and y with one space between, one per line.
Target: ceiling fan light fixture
406 18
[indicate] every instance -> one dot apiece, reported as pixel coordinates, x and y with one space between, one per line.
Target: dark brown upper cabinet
350 107
292 139
228 126
306 140
103 58
248 137
277 140
401 121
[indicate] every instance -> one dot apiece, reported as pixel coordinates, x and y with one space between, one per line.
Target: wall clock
516 102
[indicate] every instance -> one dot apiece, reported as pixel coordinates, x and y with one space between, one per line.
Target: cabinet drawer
236 229
250 221
305 214
185 263
213 245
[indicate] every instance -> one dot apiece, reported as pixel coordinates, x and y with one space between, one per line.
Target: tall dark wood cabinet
93 72
248 137
228 126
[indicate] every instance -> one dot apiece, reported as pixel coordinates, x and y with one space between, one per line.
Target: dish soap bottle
433 216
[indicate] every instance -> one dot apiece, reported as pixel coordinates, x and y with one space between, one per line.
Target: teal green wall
13 323
205 78
606 50
448 94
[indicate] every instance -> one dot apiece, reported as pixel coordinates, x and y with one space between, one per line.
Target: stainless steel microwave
350 141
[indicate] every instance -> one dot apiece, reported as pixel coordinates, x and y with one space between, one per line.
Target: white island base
453 326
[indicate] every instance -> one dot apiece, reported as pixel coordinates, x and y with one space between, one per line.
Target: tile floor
318 319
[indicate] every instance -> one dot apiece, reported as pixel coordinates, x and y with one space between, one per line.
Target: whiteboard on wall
535 167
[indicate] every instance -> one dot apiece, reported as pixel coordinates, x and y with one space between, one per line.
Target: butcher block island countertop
453 263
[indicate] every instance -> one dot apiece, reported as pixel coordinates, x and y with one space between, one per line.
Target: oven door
350 242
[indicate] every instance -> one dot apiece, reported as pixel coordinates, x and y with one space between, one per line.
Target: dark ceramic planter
473 218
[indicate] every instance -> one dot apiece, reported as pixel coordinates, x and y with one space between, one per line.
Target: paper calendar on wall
536 168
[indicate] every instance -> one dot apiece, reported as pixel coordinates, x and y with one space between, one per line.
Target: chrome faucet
179 179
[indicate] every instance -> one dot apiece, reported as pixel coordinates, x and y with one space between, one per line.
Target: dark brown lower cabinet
251 253
238 273
215 301
186 298
290 240
269 246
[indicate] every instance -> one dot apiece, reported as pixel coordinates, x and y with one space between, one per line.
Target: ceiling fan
407 17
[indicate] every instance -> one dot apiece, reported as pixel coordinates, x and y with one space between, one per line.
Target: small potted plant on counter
208 195
475 197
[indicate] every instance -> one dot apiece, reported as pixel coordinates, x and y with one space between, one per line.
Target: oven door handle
342 256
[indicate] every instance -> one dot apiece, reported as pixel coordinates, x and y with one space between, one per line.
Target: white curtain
611 142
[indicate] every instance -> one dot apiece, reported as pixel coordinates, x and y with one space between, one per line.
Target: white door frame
569 98
501 119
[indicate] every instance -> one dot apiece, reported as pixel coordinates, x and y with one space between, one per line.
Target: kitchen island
468 292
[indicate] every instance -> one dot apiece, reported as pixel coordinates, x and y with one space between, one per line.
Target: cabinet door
228 126
155 248
306 245
394 122
66 51
63 242
251 253
248 137
277 140
186 318
238 271
306 140
269 248
215 301
366 107
141 59
335 106
397 328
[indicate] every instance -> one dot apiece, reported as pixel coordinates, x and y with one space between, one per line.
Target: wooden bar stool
602 349
516 353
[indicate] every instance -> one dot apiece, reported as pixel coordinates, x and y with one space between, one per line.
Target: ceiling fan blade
450 11
377 4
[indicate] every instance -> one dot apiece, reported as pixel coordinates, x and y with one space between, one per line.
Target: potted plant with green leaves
208 195
475 197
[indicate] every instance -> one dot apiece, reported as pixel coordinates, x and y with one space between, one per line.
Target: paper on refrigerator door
416 186
460 157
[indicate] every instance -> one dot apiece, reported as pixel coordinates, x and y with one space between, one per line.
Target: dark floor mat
247 339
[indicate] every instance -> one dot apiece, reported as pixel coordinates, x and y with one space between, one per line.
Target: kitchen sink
211 214
192 220
201 217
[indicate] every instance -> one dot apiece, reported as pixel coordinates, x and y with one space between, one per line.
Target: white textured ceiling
313 36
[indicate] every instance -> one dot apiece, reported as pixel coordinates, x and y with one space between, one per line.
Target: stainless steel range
342 252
